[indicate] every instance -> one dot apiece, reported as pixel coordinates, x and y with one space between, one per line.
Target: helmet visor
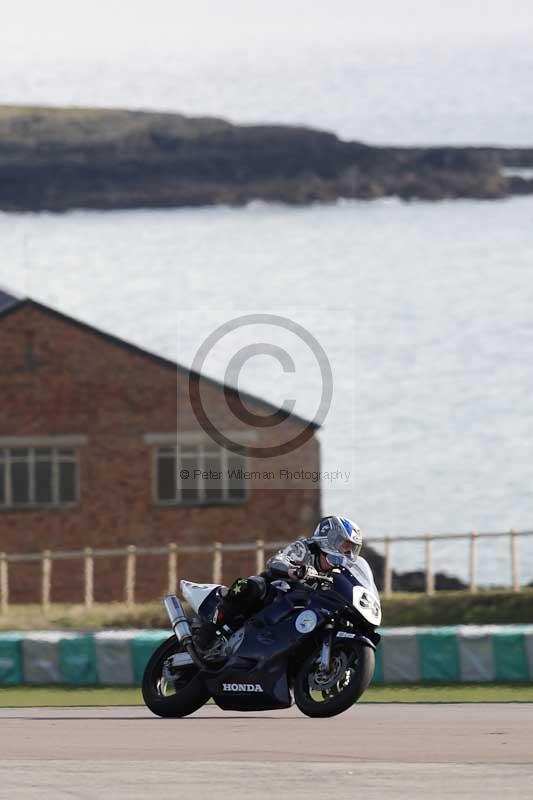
350 549
346 552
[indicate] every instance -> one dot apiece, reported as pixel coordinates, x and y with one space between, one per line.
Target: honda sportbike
313 643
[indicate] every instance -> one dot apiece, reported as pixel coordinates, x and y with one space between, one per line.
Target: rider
336 541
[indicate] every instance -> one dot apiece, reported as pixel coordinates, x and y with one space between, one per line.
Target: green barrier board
11 671
510 657
439 655
77 660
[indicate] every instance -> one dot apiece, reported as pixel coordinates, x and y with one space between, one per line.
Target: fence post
131 564
430 578
89 577
473 562
4 584
172 567
259 555
217 562
515 570
387 577
46 585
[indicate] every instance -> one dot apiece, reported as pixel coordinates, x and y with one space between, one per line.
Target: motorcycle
313 640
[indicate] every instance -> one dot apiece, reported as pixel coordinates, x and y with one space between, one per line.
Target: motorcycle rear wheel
176 697
343 693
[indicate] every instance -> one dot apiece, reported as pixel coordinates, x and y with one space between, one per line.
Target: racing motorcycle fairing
359 593
261 655
251 690
256 675
196 593
371 639
367 604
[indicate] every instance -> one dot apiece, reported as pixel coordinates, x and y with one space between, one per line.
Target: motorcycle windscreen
356 574
359 573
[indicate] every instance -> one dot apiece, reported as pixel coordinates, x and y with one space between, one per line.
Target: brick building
94 435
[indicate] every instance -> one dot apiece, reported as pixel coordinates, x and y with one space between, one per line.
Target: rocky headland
57 159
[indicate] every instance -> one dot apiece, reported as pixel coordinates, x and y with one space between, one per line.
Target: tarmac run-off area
373 751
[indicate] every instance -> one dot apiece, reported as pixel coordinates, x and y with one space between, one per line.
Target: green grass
459 693
487 607
68 616
21 696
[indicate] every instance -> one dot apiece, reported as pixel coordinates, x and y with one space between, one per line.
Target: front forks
325 653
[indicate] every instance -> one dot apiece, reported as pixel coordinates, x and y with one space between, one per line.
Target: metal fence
172 552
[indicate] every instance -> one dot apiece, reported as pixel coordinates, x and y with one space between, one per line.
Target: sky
99 26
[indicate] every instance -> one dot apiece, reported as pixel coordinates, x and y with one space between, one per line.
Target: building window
38 476
199 474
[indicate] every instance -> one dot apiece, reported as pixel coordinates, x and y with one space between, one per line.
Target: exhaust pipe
181 627
178 620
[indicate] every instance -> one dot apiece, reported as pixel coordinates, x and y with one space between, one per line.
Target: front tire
175 695
352 668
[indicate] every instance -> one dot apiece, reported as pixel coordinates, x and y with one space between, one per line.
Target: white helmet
339 538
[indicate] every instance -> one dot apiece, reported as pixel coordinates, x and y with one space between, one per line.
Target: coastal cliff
57 159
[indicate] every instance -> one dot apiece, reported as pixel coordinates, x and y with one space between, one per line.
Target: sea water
424 310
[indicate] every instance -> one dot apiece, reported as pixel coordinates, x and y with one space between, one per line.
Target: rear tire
189 691
354 681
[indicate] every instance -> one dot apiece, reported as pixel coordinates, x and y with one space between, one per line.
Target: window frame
55 444
205 447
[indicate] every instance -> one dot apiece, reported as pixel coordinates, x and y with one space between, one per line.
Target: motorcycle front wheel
172 692
325 695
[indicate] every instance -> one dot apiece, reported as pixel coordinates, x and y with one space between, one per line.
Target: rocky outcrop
414 581
57 159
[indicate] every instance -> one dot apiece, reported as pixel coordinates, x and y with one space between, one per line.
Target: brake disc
319 681
169 671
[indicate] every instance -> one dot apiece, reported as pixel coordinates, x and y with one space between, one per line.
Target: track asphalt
372 751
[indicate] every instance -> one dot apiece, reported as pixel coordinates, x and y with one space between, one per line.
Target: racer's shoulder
299 549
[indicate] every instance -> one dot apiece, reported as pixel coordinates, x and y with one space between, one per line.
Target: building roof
13 304
7 299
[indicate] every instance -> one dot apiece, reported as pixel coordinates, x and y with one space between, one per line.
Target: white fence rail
472 537
172 552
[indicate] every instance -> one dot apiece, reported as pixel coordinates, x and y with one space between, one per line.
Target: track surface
381 751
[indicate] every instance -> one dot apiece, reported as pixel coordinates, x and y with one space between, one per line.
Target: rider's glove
298 572
302 572
311 572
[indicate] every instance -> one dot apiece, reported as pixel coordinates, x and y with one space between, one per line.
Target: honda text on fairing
313 642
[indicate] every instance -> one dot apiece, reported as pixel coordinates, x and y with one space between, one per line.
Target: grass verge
487 607
25 696
458 693
77 617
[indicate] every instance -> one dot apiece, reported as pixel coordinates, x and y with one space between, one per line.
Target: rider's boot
205 636
210 640
243 597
